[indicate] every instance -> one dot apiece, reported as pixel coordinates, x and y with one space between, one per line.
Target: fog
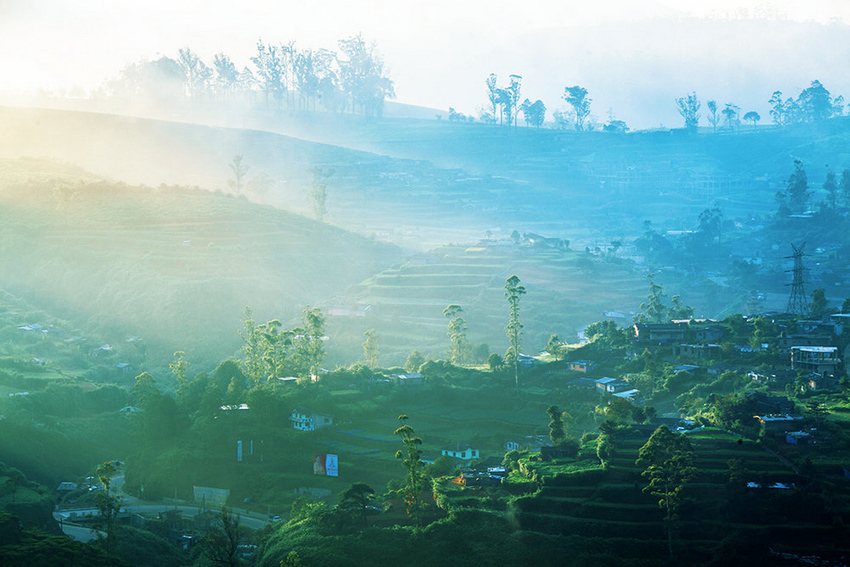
633 60
427 283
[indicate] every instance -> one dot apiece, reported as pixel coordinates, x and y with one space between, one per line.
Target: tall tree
319 190
731 116
362 76
815 102
221 543
226 75
819 307
196 74
458 343
777 109
688 107
370 348
844 187
653 310
107 503
668 459
534 112
577 98
713 116
752 116
513 292
269 70
556 425
830 185
411 457
493 93
513 96
797 189
356 499
240 174
310 342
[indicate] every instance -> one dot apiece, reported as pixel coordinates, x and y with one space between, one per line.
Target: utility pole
797 299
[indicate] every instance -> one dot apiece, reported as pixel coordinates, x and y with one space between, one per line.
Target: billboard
325 464
211 497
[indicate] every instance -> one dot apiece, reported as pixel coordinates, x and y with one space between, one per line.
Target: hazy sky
60 43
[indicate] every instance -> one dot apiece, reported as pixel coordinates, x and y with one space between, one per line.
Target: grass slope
172 265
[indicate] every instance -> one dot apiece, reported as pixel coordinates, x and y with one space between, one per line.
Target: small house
822 360
611 385
660 334
411 379
582 366
463 451
304 420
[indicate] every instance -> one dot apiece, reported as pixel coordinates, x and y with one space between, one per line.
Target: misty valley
269 317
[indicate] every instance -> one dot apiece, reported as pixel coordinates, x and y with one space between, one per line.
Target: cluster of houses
612 386
809 345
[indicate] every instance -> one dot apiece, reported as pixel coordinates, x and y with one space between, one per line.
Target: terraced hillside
174 266
566 289
718 511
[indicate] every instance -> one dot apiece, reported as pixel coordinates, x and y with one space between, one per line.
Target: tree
844 187
459 346
797 189
195 72
240 173
269 66
668 459
815 102
226 75
710 224
678 310
730 116
752 116
370 348
318 190
513 292
830 185
688 107
356 499
310 341
713 116
577 98
493 94
361 74
819 307
653 309
411 455
534 112
107 503
414 361
777 109
556 426
221 543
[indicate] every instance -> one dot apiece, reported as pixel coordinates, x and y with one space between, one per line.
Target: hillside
172 265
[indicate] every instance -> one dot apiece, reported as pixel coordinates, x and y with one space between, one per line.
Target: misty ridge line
354 79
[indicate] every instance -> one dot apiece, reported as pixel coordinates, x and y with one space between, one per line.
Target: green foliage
458 343
513 292
370 348
414 361
411 459
668 459
557 432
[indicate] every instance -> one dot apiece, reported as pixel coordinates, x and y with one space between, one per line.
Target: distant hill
173 265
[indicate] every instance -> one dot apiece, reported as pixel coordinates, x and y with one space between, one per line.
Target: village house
304 420
660 334
778 423
611 385
582 365
463 451
697 351
822 360
412 379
